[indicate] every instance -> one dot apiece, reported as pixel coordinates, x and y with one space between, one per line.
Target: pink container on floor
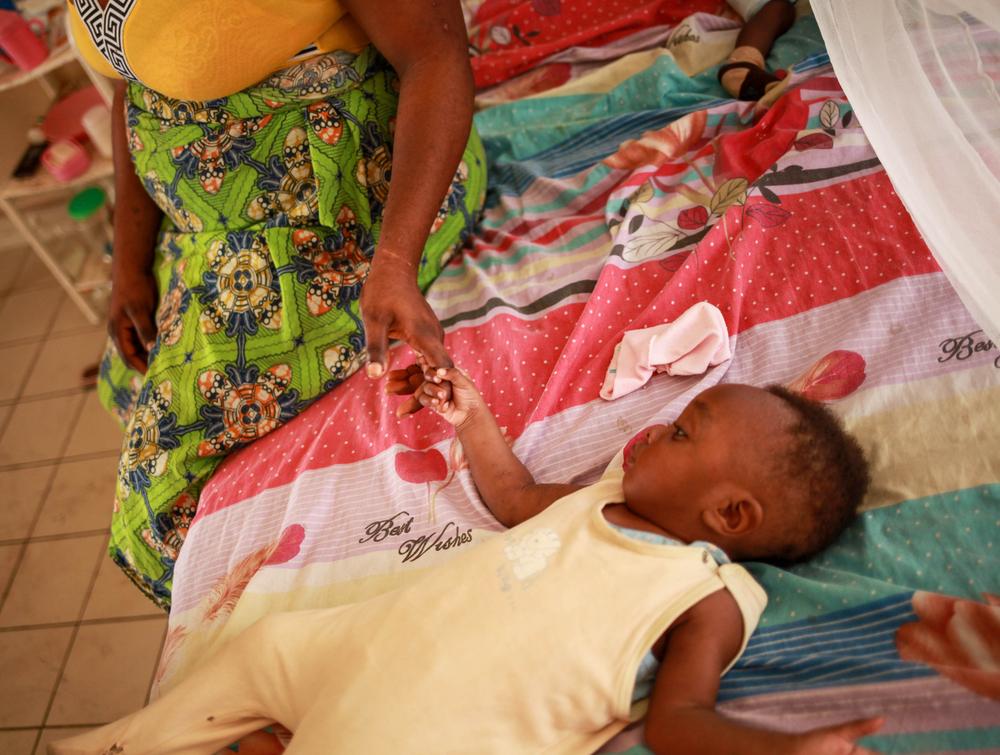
20 44
65 118
66 160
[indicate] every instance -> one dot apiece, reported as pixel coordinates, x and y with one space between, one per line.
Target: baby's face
673 471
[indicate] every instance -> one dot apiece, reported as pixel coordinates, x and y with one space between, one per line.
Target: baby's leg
249 684
745 73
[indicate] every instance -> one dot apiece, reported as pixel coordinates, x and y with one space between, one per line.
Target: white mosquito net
923 78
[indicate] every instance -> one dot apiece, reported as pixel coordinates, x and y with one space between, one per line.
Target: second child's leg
745 74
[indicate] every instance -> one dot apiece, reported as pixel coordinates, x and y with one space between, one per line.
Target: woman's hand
393 307
131 317
426 43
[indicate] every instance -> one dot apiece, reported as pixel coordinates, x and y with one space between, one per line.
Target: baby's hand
836 740
451 393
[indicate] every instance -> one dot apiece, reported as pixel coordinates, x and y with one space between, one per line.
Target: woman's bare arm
425 41
132 307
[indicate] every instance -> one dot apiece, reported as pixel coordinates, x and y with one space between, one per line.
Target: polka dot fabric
507 37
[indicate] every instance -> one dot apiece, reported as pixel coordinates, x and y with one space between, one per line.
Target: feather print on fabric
171 643
223 597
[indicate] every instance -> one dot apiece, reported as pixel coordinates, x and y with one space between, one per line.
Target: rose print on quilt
643 237
431 466
240 289
227 591
959 638
503 36
529 553
832 377
244 404
423 467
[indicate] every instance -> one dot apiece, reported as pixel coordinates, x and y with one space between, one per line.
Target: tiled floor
78 644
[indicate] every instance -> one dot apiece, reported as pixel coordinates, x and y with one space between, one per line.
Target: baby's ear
734 515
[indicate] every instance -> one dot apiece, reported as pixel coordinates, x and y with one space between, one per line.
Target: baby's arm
506 486
682 716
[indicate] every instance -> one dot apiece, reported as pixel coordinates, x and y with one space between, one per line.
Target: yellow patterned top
204 49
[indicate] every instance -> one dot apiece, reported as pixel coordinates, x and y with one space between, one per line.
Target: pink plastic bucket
19 43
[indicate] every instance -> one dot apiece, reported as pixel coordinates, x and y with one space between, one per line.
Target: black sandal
755 85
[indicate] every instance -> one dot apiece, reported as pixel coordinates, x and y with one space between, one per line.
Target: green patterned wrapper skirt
273 202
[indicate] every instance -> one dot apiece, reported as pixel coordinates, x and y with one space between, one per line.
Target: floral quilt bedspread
616 202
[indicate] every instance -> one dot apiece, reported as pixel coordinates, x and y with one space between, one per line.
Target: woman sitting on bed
260 254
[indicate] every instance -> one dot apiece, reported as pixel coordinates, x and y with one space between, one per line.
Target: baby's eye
679 433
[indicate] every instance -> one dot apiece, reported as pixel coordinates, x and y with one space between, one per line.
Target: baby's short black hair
824 477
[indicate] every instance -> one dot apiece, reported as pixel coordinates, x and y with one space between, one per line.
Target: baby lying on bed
531 641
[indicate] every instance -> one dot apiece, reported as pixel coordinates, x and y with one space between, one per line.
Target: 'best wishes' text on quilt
444 538
961 348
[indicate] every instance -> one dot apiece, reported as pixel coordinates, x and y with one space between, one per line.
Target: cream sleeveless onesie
527 643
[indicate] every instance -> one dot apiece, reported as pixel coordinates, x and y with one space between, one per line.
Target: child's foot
750 82
744 74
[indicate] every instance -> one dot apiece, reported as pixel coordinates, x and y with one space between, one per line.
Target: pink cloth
689 345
